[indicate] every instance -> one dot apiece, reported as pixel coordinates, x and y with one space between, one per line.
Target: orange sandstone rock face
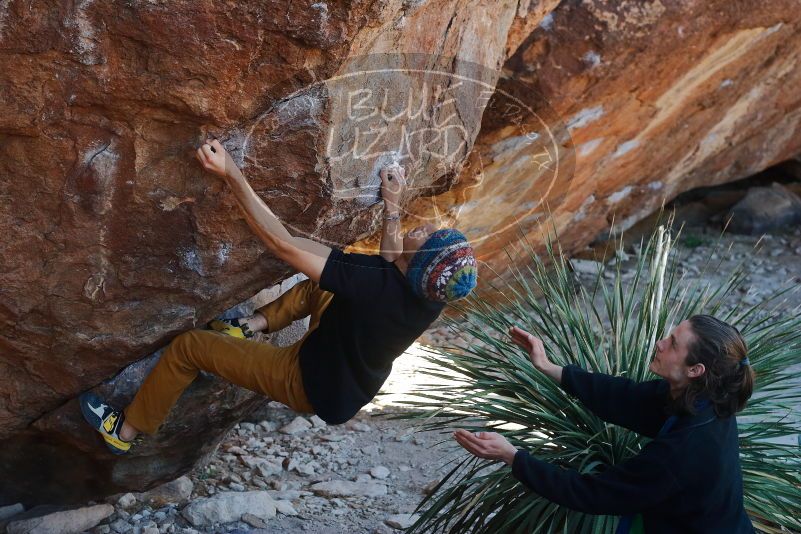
657 98
115 240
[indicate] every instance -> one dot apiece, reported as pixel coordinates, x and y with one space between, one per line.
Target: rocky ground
281 473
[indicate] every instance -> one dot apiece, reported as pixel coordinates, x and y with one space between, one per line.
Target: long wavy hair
728 381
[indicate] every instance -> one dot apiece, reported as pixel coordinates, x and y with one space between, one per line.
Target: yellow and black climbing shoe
105 420
232 327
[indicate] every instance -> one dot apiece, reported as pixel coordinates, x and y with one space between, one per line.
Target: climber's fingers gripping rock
213 157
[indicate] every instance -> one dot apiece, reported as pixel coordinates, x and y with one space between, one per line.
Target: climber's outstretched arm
305 255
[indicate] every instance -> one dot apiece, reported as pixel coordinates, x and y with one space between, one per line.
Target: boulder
764 209
346 488
296 426
379 472
285 508
401 521
621 107
10 511
127 500
254 521
268 469
116 240
229 506
317 422
60 446
74 521
176 491
588 267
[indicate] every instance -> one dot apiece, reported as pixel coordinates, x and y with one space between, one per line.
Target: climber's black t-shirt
373 317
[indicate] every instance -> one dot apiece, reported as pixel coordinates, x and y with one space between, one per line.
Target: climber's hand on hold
393 184
214 158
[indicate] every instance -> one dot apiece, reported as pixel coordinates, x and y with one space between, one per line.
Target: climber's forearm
305 255
259 216
391 240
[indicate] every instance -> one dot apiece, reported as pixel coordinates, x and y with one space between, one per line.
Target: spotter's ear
696 370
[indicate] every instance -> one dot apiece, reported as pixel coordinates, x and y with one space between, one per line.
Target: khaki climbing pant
260 367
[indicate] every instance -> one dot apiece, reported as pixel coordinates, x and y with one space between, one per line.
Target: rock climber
688 477
365 311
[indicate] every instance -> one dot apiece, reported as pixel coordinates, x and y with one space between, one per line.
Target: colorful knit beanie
444 269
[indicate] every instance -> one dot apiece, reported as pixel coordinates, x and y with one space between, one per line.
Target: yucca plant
488 383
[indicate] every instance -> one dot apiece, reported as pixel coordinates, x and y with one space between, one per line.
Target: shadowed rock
764 209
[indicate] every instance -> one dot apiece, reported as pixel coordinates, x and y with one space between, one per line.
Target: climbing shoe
105 420
232 327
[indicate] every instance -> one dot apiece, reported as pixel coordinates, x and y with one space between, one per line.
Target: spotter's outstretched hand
487 445
536 353
532 345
